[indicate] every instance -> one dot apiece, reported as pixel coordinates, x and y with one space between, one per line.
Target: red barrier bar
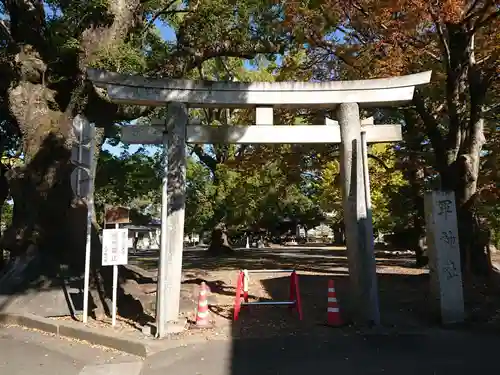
237 300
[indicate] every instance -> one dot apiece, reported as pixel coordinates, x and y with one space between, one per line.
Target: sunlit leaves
121 57
128 179
385 185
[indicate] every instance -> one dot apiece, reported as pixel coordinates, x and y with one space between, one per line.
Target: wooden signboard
116 215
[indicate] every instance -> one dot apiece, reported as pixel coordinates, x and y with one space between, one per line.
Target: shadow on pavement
361 354
272 340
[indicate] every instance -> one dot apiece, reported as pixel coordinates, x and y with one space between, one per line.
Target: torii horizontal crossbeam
259 134
128 89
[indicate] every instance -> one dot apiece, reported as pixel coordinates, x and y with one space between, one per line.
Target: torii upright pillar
357 219
172 220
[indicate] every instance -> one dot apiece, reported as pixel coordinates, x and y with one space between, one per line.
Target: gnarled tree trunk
461 177
47 219
219 242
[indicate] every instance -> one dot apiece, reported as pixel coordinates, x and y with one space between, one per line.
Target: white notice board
114 247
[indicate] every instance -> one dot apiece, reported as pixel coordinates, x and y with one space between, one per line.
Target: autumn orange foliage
459 40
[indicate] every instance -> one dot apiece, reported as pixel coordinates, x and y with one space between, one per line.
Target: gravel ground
403 290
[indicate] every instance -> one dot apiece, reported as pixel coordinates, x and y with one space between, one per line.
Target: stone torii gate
344 96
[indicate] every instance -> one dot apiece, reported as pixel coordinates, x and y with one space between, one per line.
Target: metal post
162 266
369 246
268 303
270 271
115 282
88 244
86 277
80 157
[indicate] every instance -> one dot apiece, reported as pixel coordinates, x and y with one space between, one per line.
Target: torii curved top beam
129 89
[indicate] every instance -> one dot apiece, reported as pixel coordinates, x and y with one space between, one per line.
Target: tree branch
206 111
469 11
491 108
27 22
358 6
330 48
381 162
359 37
103 111
484 59
432 130
424 46
434 56
206 159
228 49
439 109
162 12
6 31
487 18
226 68
132 112
444 42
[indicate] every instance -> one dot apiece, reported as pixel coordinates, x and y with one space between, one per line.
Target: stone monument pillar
444 256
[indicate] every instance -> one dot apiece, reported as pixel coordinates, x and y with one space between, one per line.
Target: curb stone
95 337
139 347
126 368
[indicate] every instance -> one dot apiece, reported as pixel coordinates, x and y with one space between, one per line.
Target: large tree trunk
219 242
40 189
473 233
461 176
47 218
48 227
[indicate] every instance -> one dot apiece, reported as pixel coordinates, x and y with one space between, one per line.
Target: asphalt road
24 352
388 355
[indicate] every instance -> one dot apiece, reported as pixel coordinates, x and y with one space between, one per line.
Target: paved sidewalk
27 352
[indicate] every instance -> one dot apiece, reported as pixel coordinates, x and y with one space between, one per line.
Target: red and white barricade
242 292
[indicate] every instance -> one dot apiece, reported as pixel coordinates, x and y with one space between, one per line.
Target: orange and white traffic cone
202 313
333 312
